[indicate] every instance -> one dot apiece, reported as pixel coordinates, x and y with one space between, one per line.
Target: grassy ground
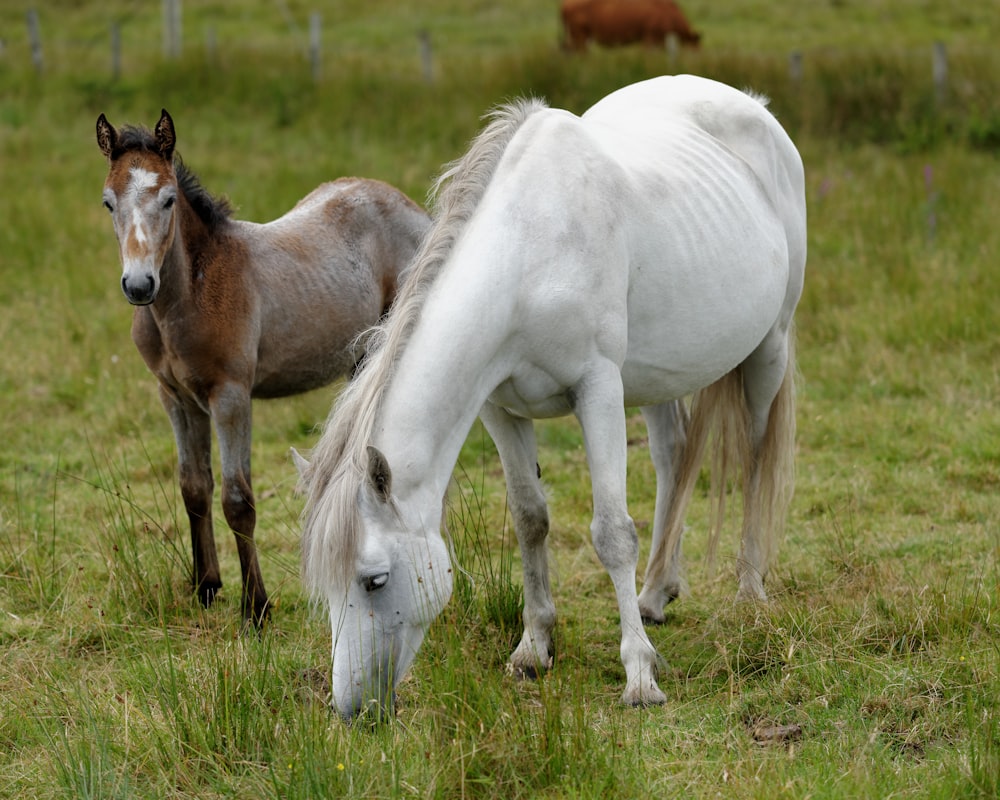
877 659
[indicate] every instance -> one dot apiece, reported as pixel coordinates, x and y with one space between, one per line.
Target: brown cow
620 22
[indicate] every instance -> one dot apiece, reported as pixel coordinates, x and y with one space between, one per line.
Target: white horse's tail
766 476
774 466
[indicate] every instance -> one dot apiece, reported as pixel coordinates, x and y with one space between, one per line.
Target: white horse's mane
331 535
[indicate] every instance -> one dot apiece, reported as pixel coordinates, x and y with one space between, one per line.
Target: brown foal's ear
107 136
379 475
166 138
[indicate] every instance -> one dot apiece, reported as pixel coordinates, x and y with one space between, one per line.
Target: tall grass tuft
983 720
485 561
89 763
144 554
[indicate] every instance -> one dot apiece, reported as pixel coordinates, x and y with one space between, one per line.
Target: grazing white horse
633 256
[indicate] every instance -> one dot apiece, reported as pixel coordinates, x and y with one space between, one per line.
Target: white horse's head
141 194
401 580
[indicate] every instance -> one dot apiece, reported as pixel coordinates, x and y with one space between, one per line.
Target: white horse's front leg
600 409
515 441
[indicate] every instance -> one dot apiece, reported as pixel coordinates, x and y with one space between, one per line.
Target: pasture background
881 643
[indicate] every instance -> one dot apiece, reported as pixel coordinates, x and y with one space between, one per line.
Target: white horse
633 256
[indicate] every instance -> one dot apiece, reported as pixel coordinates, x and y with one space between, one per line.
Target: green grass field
879 654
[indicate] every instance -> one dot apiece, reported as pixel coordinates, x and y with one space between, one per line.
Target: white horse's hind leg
515 441
666 425
600 409
767 384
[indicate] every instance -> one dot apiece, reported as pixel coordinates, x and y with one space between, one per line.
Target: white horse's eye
372 583
108 206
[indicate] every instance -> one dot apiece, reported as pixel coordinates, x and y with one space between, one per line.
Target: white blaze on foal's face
143 213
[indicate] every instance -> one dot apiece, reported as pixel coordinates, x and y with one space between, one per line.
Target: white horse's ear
303 467
379 475
301 464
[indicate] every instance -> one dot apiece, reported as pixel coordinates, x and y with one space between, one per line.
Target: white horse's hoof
647 694
528 661
653 601
751 592
528 671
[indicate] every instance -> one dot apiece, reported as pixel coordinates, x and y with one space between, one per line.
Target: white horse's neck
443 378
423 432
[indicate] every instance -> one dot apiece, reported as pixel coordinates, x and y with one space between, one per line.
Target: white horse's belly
700 301
679 341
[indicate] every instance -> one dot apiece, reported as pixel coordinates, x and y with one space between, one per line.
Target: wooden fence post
34 34
172 28
940 72
116 50
426 55
211 45
672 49
795 67
315 43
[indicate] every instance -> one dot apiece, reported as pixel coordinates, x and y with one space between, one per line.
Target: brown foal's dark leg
193 434
231 411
